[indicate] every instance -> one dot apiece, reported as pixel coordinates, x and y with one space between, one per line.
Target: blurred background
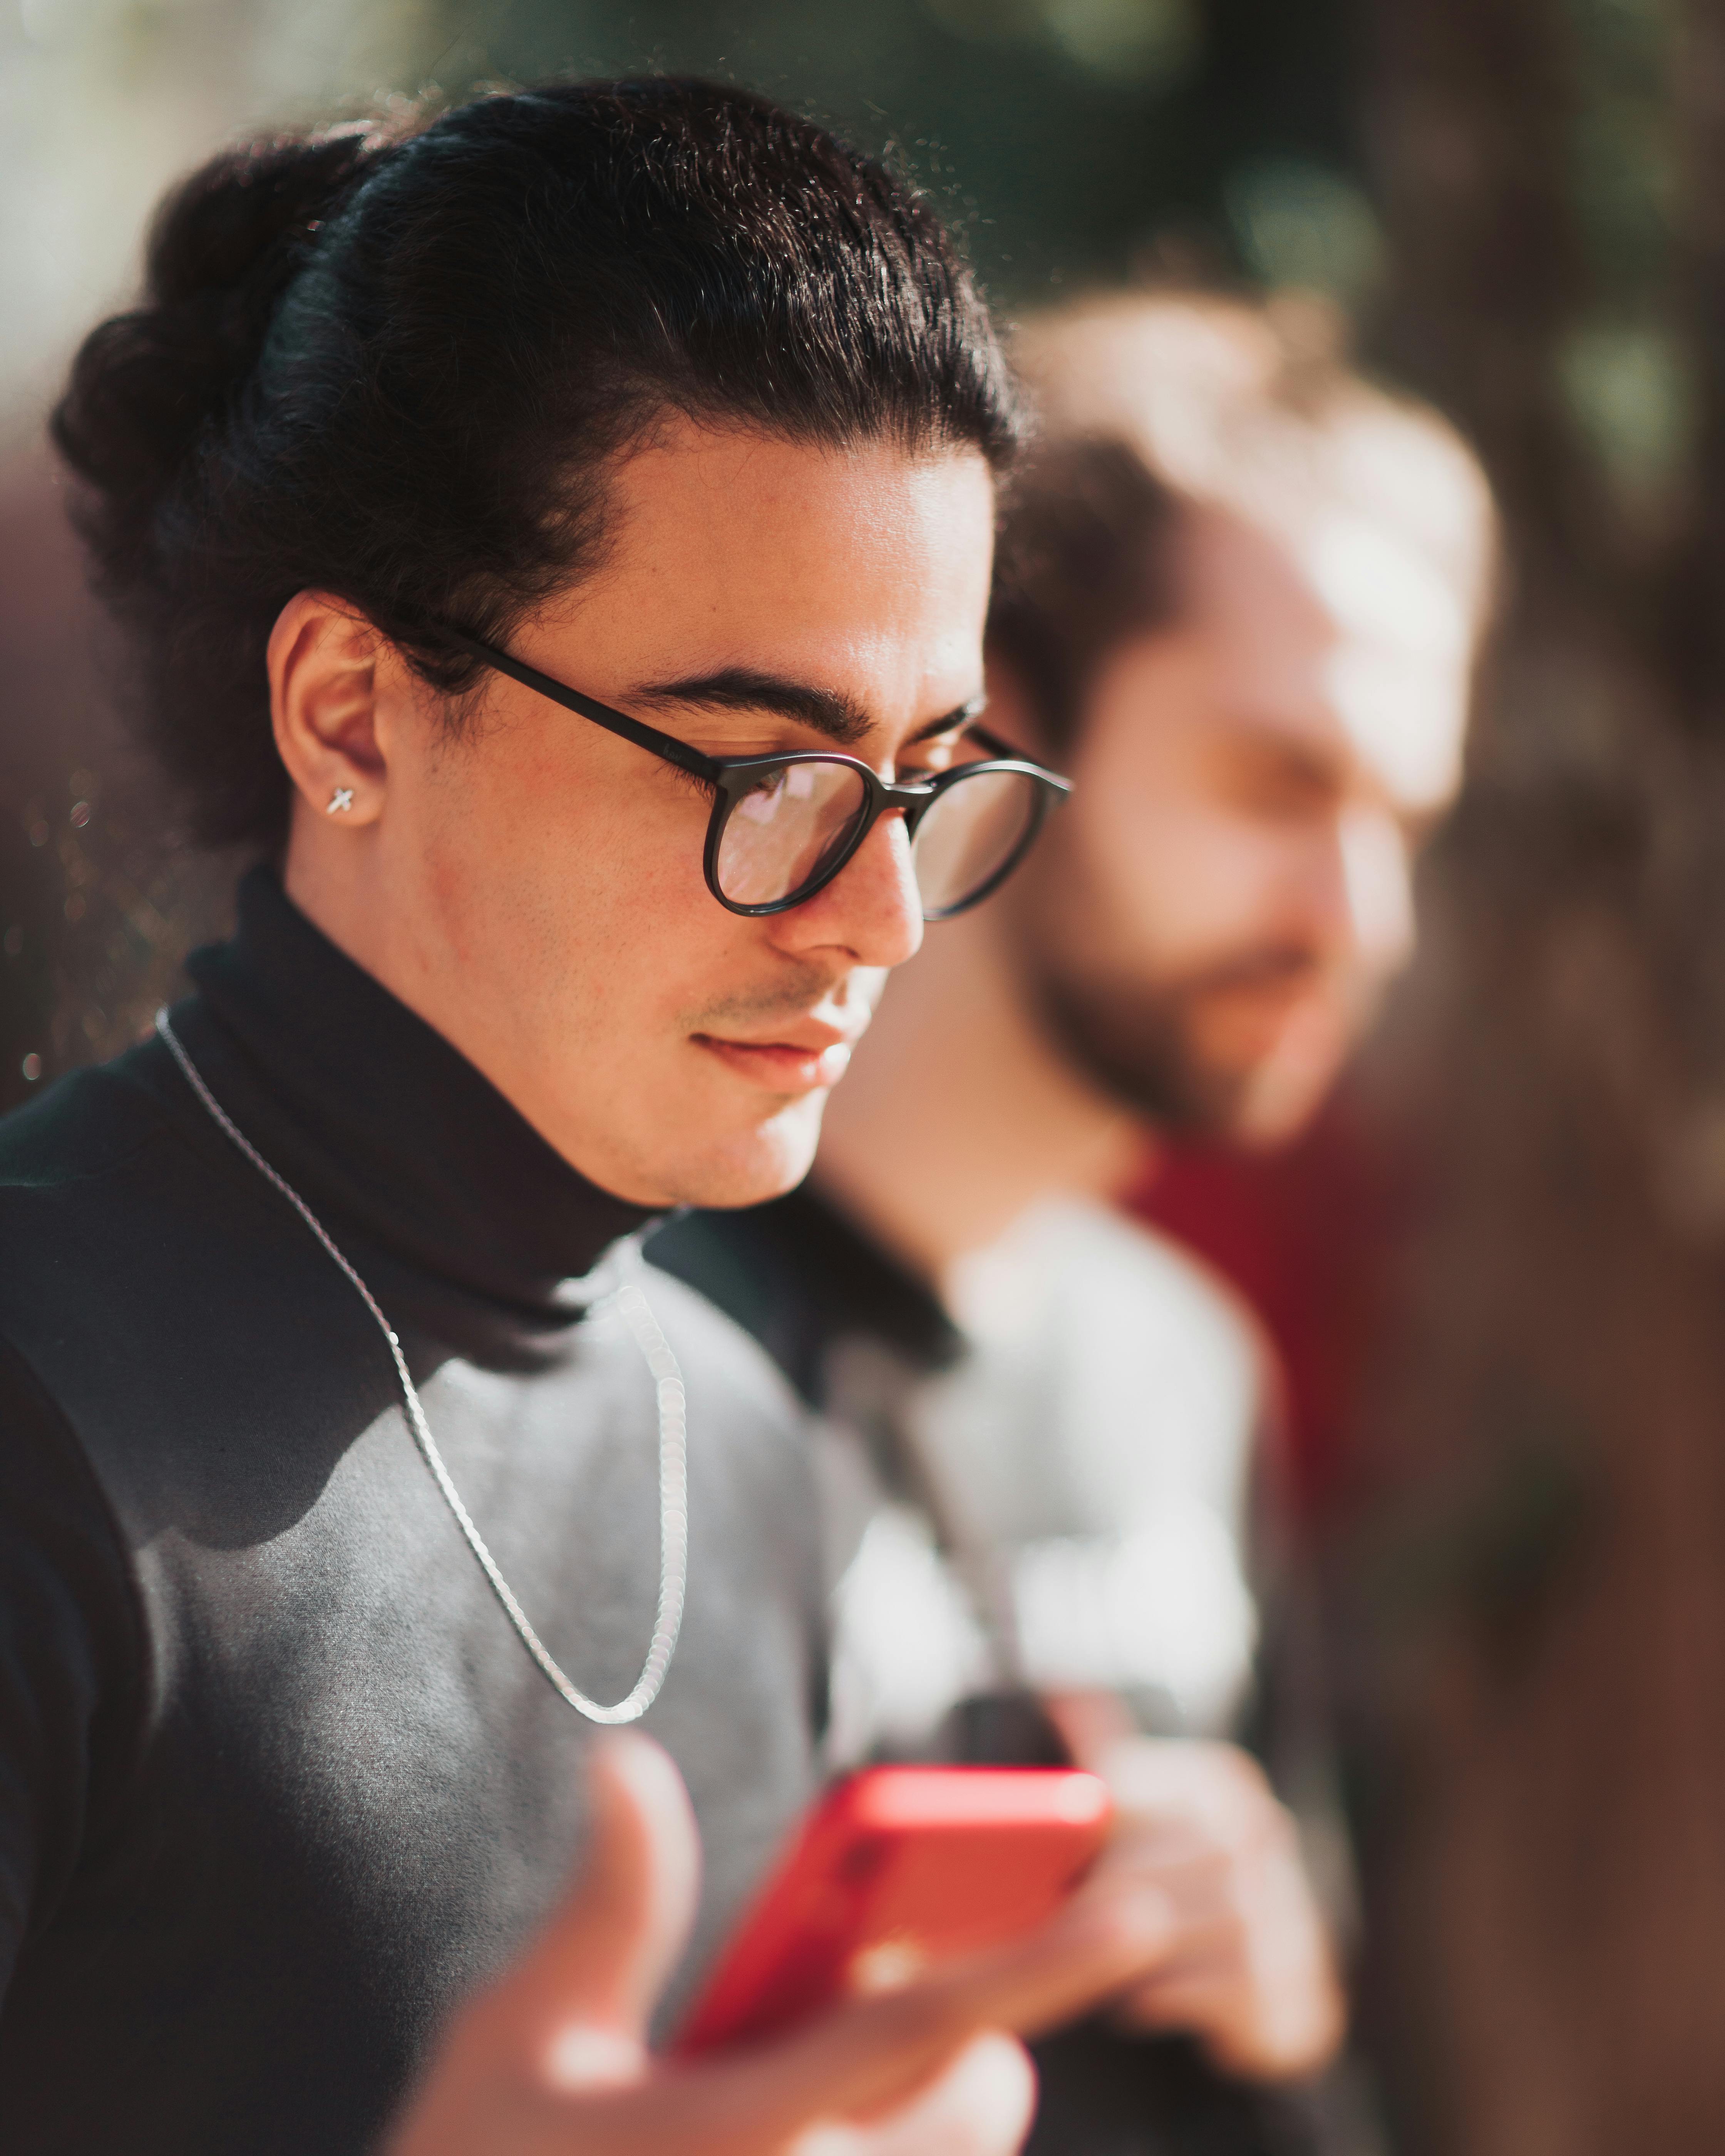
1496 1270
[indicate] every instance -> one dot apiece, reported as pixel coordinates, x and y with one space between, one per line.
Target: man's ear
324 662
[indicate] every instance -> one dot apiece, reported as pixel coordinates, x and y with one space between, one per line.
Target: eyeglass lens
969 832
786 829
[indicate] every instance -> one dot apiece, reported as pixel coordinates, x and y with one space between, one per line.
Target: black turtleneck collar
387 1131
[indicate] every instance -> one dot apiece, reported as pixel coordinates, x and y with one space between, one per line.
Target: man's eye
766 792
1278 789
690 779
929 758
789 787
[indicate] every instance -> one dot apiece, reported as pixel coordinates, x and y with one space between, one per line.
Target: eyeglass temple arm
1008 754
588 707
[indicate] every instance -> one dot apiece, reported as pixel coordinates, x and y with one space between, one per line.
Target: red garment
1301 1233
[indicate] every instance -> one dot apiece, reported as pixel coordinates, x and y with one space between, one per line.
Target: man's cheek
1177 885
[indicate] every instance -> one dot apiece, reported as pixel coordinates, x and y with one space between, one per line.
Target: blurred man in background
1239 598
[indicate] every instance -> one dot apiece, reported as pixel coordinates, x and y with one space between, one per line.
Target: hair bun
145 384
416 410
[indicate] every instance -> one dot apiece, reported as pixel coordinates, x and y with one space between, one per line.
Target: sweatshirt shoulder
86 1126
95 1179
726 1356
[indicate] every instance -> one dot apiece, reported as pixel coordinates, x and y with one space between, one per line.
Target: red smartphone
895 1868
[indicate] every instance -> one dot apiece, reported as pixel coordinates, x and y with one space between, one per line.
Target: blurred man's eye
1280 785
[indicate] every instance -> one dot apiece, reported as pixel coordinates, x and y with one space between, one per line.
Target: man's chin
762 1162
1271 1098
1239 1062
1277 1105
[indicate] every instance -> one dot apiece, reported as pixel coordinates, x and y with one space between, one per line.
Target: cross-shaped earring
341 800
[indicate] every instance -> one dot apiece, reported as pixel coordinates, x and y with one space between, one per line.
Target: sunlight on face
1221 906
1397 675
537 890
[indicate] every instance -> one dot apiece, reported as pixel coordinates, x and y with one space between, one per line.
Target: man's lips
782 1066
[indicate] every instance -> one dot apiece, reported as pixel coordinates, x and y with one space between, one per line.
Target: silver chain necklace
634 1308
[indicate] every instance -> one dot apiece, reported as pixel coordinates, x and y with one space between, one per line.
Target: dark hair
1085 560
393 366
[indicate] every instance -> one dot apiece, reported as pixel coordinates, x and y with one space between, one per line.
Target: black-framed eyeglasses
782 826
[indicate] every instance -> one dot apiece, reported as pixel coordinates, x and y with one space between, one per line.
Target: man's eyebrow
739 689
827 711
1320 761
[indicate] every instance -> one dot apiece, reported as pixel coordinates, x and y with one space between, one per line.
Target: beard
1139 1045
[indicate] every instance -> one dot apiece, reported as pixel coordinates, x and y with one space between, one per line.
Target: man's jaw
1189 1055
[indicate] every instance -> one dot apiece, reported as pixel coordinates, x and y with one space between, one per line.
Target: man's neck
958 1114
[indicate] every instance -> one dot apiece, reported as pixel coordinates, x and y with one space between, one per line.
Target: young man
1238 597
547 537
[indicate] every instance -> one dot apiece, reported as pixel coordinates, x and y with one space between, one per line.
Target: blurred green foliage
1624 372
1069 140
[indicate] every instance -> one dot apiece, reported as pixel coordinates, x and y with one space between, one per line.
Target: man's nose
871 909
1376 886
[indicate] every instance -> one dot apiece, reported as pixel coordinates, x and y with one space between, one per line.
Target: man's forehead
1400 674
1339 633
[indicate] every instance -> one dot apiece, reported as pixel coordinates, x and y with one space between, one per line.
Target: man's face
545 877
1213 917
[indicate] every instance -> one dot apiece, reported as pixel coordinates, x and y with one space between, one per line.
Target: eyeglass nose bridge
915 798
912 799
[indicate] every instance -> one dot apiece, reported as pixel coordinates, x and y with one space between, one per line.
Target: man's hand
1252 1972
553 2059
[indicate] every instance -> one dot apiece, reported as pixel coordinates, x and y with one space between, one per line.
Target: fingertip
608 1948
631 1753
979 2104
635 1780
628 1761
993 2086
640 1797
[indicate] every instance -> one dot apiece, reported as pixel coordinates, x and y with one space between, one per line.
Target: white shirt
1085 1473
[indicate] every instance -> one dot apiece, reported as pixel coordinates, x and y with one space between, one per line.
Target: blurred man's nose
1377 886
871 909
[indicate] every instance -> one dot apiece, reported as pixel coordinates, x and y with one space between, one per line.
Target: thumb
1090 1724
587 1987
979 2106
